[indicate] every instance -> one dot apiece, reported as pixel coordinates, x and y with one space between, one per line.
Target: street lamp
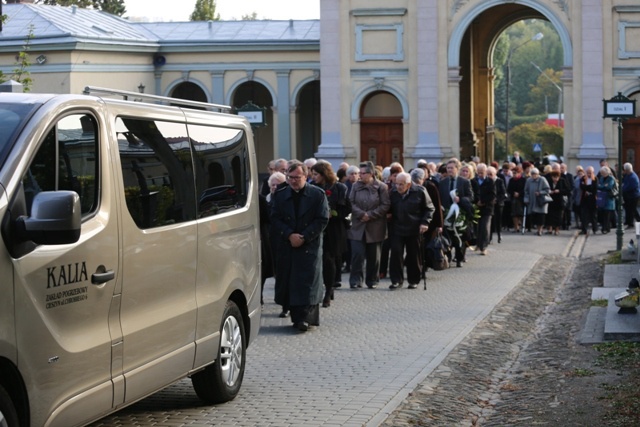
536 37
560 99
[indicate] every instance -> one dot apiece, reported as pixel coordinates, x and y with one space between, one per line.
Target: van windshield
12 118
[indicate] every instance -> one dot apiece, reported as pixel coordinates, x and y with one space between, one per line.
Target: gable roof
72 26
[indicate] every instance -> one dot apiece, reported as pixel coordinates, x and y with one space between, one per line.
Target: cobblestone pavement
375 347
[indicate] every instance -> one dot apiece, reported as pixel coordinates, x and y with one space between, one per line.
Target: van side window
67 160
157 171
222 168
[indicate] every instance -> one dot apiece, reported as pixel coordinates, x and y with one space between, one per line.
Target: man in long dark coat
299 215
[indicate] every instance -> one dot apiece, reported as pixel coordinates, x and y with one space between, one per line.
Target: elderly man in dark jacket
299 214
411 212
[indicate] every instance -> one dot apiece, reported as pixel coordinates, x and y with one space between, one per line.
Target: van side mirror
55 218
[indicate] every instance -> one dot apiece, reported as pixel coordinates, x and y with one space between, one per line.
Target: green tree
522 138
205 10
21 72
545 95
114 7
251 17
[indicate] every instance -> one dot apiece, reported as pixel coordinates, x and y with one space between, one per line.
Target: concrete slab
593 331
603 293
619 275
620 327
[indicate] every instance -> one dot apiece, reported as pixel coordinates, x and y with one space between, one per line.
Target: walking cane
524 219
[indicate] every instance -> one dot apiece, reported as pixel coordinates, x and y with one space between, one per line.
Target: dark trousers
384 256
329 267
606 219
496 222
361 251
459 246
306 313
631 211
413 259
484 232
588 215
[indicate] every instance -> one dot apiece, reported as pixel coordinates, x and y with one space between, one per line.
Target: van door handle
102 275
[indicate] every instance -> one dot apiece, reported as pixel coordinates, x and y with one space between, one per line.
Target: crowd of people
374 222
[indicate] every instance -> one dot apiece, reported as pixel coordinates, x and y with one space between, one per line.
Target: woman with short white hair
535 190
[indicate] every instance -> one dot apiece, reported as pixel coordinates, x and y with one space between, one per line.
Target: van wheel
8 414
220 382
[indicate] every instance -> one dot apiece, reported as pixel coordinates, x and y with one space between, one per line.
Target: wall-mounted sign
254 114
619 107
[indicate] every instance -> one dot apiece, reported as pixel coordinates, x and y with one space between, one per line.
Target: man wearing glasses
299 215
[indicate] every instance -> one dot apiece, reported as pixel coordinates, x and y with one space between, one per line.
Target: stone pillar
217 87
332 116
592 148
428 146
283 145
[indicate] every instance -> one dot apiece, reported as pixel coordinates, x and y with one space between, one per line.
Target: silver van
130 253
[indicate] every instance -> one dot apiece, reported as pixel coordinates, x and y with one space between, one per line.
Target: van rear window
12 118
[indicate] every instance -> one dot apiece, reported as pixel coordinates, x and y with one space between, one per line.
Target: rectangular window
157 171
67 160
222 168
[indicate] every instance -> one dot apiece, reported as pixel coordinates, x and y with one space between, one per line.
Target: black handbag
436 253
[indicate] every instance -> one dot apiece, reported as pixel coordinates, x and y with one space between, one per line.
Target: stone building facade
383 80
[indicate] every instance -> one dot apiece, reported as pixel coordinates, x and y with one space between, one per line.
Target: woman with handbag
536 197
588 212
605 198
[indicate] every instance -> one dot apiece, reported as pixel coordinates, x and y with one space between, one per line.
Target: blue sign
537 148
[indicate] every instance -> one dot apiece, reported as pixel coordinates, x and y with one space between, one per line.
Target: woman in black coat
559 192
515 190
588 211
335 234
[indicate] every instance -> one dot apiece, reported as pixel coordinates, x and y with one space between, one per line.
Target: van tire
220 382
8 414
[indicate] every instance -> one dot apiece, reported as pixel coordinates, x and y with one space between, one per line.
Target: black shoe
284 314
395 286
412 285
458 264
372 286
499 239
301 326
337 285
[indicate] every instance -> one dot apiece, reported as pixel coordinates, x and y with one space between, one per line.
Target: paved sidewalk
373 346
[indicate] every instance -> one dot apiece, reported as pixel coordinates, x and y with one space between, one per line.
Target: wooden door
381 141
631 143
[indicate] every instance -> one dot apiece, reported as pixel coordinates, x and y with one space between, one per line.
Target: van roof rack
136 96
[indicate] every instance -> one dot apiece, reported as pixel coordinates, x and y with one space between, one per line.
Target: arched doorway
631 138
477 53
308 120
381 133
262 136
190 91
